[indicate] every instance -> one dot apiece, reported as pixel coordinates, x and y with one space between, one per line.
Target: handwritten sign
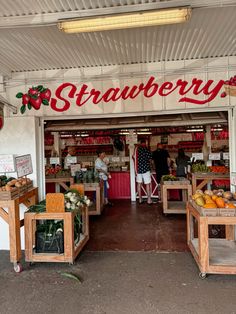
23 165
214 156
54 160
75 168
197 156
7 163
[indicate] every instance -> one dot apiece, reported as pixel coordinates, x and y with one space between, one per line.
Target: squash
220 202
208 192
230 205
210 205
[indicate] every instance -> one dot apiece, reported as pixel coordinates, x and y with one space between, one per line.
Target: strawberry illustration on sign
230 87
34 98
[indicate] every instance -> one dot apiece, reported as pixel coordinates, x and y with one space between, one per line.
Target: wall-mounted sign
7 163
197 156
23 165
54 160
214 156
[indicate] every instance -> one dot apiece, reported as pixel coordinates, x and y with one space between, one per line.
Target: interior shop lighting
128 20
217 129
195 129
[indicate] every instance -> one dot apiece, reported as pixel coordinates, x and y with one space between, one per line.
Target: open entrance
128 225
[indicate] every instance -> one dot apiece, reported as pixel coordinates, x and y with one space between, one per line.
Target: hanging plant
34 98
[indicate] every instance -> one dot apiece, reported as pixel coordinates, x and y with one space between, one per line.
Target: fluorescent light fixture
217 129
143 132
128 20
194 130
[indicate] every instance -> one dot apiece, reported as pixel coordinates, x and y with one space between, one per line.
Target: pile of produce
214 199
199 167
9 184
169 177
219 169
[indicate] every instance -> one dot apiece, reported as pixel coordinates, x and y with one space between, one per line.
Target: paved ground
116 283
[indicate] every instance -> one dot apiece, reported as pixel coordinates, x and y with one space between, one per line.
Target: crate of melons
215 203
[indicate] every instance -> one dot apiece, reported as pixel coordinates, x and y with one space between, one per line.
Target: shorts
144 177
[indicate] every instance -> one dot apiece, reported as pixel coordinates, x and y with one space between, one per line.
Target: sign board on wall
197 156
7 163
214 156
23 165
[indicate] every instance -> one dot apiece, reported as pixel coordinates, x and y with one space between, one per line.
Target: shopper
162 162
142 159
181 163
102 168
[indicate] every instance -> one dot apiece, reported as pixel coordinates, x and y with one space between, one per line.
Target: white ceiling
30 40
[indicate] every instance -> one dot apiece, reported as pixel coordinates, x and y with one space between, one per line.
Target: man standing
142 159
162 162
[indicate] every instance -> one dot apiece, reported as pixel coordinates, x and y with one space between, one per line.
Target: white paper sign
115 159
23 165
7 163
54 160
74 168
233 178
226 156
125 159
71 159
214 156
197 156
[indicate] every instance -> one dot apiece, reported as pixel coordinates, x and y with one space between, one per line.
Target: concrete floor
116 283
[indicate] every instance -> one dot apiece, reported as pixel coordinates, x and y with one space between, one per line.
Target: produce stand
213 256
206 178
71 249
60 182
175 207
12 217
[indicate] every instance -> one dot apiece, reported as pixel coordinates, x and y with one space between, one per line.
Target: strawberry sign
34 98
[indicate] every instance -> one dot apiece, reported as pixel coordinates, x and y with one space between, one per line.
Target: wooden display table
206 178
175 207
12 217
213 256
60 182
71 250
99 195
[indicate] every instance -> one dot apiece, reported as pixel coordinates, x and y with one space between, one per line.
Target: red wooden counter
119 185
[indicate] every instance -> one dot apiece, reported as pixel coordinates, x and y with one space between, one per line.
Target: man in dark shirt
142 159
161 160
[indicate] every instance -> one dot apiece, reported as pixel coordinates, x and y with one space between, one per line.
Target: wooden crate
71 249
9 195
212 212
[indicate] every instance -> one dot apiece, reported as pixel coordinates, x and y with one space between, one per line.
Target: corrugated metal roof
209 33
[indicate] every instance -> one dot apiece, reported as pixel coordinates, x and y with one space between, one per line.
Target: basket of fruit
230 86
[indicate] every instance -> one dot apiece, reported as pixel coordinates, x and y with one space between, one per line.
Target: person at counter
162 162
102 168
181 161
142 160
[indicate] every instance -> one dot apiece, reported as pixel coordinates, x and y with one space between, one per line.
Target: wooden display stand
213 256
60 182
98 189
206 178
175 207
12 217
71 250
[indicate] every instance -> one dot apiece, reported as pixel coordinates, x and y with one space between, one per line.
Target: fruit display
219 169
169 177
198 167
214 199
9 184
230 87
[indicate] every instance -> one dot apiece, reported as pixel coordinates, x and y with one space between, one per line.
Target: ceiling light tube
128 20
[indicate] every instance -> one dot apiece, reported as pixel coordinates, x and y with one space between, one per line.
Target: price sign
71 159
23 165
54 161
197 156
214 156
226 156
115 159
7 163
75 168
125 159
